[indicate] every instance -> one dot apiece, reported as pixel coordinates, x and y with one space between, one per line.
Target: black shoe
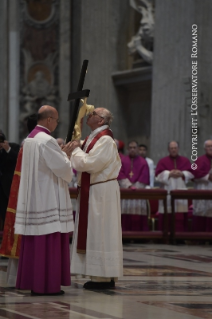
61 292
93 285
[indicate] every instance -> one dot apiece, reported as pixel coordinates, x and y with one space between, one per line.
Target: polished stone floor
160 281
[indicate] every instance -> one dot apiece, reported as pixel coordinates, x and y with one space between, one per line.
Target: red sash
84 197
11 243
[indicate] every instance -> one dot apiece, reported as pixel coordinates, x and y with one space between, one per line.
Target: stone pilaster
171 119
13 70
64 65
99 27
4 66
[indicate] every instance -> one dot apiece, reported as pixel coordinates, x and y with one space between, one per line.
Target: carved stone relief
142 42
39 57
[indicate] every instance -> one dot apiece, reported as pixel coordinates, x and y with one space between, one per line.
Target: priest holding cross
97 241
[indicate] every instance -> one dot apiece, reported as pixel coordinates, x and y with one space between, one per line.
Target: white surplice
133 206
44 204
151 171
104 252
169 184
203 207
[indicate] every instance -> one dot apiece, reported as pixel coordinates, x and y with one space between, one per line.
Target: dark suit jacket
7 167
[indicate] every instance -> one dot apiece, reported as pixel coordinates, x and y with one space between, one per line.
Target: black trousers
3 204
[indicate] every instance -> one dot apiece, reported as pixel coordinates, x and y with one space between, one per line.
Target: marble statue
142 42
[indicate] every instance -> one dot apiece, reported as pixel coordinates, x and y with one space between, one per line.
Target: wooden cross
77 96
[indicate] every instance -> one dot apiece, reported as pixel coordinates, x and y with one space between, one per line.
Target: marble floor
160 281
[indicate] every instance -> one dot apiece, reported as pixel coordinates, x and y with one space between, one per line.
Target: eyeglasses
94 113
57 120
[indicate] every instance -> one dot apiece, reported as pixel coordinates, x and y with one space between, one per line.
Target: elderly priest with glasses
97 243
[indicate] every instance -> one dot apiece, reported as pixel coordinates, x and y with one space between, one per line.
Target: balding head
46 111
173 148
99 117
48 117
106 114
208 147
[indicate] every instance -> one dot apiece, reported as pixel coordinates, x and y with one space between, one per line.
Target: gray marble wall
3 66
9 69
13 70
64 65
99 35
171 97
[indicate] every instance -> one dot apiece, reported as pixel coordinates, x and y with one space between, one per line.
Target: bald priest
97 243
44 211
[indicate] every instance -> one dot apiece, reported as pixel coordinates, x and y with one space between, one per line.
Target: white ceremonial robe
181 205
151 171
133 206
203 207
104 252
12 269
44 204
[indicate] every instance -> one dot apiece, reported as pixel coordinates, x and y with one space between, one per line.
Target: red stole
11 243
84 197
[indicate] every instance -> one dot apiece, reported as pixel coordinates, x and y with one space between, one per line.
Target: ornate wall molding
39 67
40 14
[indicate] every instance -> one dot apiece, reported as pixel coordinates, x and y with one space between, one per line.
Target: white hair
206 142
107 115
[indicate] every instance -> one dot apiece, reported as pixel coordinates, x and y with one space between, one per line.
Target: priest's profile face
133 149
95 119
173 149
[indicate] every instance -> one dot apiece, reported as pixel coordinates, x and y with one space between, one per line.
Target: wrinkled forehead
208 143
173 145
132 145
99 109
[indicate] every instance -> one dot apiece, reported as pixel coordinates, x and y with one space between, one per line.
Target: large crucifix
74 131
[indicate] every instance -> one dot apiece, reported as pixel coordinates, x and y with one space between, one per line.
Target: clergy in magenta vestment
202 209
11 243
173 172
44 212
134 173
99 254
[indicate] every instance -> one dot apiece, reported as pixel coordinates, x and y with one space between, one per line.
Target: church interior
148 63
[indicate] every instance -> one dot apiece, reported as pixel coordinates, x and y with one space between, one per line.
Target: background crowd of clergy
171 172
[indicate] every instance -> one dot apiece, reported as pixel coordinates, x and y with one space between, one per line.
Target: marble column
4 66
98 27
13 70
64 65
171 97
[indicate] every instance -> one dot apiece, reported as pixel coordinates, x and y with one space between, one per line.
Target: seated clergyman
173 172
134 173
202 218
